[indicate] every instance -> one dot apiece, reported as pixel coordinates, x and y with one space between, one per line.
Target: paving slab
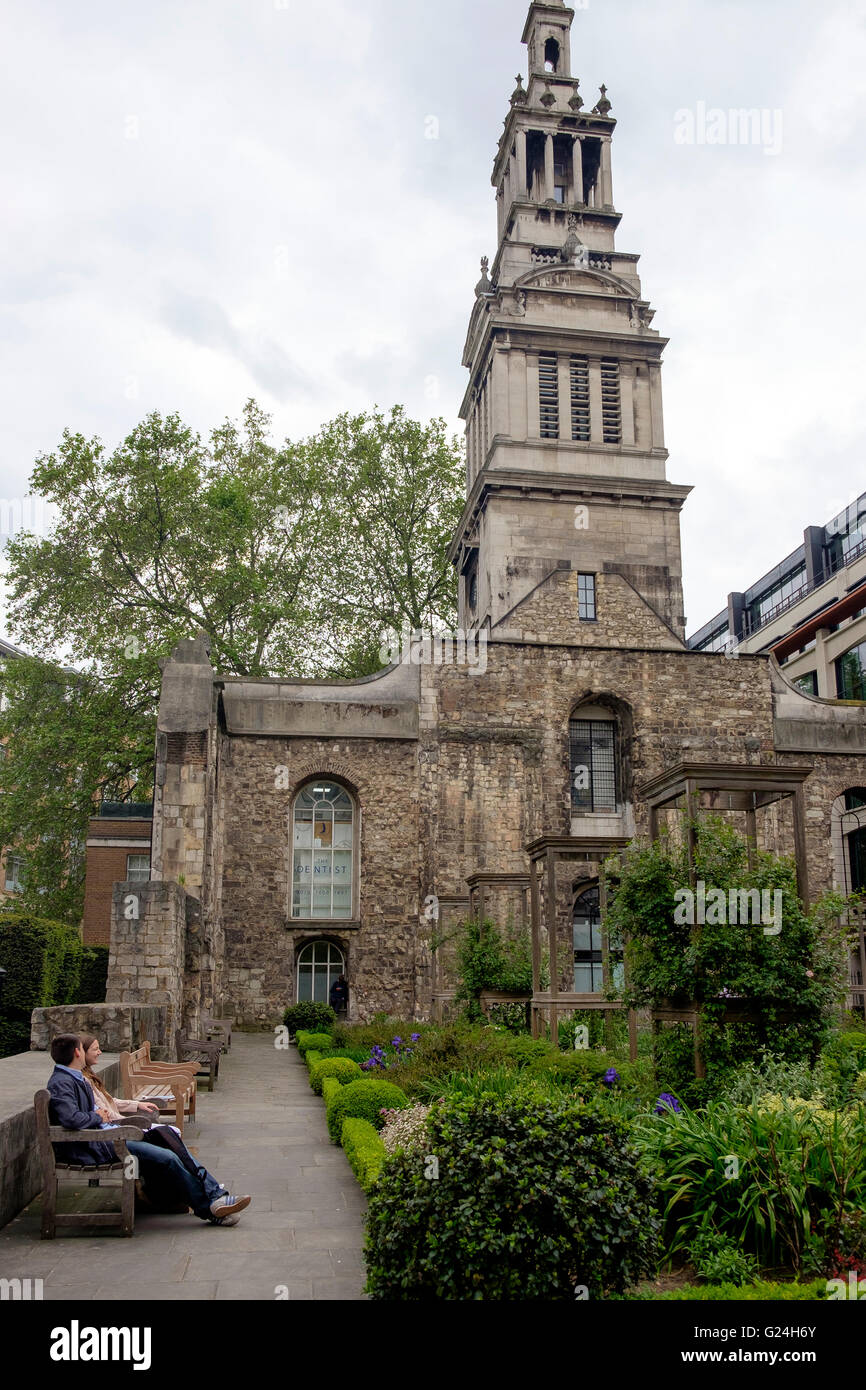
260 1132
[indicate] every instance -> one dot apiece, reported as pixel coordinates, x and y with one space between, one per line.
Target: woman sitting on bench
161 1186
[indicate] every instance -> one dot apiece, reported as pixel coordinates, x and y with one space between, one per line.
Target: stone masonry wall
148 948
259 779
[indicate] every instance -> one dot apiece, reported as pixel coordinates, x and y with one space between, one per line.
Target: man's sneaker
223 1211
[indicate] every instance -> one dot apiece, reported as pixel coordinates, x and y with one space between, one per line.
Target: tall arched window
593 756
587 943
320 963
323 819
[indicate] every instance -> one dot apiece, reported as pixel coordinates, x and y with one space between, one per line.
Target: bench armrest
58 1135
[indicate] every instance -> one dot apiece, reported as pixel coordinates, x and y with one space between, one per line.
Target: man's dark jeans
168 1174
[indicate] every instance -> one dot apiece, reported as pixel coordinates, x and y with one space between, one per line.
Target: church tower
565 442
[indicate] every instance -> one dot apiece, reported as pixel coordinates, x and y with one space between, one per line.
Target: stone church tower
304 829
565 441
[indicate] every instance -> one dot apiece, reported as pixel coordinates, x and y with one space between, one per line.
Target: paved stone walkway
262 1131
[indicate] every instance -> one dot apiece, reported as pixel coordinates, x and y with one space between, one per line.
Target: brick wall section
106 865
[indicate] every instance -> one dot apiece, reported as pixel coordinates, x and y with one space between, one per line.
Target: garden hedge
530 1199
94 974
312 1058
343 1068
740 1293
363 1100
309 1016
331 1087
43 962
317 1042
364 1149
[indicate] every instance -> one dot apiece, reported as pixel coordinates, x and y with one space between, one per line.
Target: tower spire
563 409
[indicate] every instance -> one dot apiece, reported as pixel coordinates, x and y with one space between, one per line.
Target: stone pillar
577 168
522 186
564 385
548 167
626 391
517 393
500 422
606 176
596 424
533 413
147 956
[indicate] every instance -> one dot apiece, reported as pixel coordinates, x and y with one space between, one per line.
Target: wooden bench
157 1081
219 1028
121 1174
205 1055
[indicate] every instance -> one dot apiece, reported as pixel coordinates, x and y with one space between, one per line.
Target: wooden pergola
693 787
544 855
745 787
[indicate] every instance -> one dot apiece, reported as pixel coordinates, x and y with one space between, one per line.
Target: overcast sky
208 201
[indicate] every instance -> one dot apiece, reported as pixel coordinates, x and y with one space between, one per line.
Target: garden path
262 1131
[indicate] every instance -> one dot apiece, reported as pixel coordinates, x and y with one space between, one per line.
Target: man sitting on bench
73 1106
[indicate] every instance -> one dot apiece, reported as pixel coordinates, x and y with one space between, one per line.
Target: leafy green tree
293 559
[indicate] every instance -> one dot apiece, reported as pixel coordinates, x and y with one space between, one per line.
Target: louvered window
611 412
548 395
580 399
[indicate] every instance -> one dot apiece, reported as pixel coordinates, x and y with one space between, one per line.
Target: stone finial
548 99
484 285
602 106
518 96
576 100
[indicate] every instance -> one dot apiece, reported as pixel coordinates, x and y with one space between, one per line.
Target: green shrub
363 1100
532 1200
488 958
364 1150
381 1030
342 1068
759 1292
311 1058
318 1042
331 1087
94 973
720 1260
355 1054
309 1016
43 963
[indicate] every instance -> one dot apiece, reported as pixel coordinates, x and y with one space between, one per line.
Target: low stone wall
119 1027
21 1077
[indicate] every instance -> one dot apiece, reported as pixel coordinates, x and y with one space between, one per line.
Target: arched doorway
320 963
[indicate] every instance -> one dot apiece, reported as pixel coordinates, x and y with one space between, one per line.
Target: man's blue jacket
72 1106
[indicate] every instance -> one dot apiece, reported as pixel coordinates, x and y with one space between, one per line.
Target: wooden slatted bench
55 1172
170 1086
205 1055
219 1028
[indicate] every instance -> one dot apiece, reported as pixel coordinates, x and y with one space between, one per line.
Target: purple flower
667 1102
413 1037
611 1077
396 1042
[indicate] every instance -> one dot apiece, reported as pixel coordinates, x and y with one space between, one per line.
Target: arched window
551 56
587 942
323 819
320 963
589 939
593 754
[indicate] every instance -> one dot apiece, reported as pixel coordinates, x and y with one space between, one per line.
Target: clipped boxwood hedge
312 1058
310 1016
343 1068
317 1042
363 1100
43 961
364 1149
331 1087
740 1293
